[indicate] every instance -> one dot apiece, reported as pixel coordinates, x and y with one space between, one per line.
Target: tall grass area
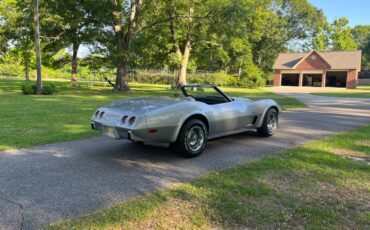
34 119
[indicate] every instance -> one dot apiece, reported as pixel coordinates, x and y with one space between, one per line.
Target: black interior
218 96
336 79
290 79
312 80
211 100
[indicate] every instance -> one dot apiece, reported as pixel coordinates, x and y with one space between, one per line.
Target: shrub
253 76
252 82
28 89
54 73
253 79
49 89
11 70
219 79
143 76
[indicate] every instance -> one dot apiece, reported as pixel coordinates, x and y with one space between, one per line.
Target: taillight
97 113
101 114
124 119
132 120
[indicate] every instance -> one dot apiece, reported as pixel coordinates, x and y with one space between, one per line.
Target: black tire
193 131
268 129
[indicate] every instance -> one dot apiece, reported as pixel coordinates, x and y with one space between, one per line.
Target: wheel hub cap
195 138
272 122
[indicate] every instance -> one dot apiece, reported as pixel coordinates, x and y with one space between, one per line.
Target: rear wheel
192 138
269 124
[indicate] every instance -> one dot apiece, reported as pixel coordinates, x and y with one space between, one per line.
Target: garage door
312 80
336 79
290 79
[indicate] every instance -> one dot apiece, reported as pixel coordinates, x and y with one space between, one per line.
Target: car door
229 116
225 114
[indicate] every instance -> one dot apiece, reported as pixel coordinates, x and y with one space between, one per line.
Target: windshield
205 94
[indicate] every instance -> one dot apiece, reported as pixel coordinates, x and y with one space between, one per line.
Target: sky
357 11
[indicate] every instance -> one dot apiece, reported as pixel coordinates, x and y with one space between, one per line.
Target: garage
289 79
318 69
336 78
313 80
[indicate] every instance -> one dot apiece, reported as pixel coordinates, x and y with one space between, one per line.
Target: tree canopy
361 35
334 37
241 37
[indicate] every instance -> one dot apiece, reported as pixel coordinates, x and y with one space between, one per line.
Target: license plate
111 132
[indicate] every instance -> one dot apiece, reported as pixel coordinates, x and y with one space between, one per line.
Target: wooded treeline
241 37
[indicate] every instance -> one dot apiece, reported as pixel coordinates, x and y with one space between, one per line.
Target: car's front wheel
269 124
192 138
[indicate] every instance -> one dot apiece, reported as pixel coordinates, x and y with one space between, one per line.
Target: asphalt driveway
49 183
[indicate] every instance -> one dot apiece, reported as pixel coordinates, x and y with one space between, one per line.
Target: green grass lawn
360 92
34 120
315 186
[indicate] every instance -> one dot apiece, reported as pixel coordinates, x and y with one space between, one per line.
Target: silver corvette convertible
197 114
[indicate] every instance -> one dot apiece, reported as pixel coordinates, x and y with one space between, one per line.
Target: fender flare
260 119
200 116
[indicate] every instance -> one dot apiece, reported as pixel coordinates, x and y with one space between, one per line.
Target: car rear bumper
136 135
114 132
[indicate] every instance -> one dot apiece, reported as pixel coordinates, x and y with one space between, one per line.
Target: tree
272 41
253 33
189 26
120 19
125 20
301 18
183 37
238 30
234 35
180 23
17 30
321 38
333 37
3 41
184 25
37 47
238 36
341 35
366 57
361 35
69 24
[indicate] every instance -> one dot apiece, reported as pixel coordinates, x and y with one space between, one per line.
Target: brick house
318 69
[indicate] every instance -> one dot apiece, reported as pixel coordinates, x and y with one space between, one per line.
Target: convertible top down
203 112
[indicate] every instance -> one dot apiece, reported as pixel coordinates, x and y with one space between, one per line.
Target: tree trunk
184 64
27 65
75 47
123 42
121 75
185 55
37 46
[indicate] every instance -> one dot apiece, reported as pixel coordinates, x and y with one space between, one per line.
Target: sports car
196 114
